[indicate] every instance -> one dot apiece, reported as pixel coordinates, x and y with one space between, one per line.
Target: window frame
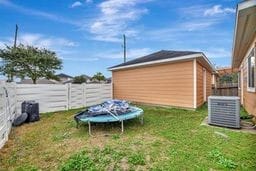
251 55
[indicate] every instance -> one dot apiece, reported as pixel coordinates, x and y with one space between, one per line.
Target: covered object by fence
51 97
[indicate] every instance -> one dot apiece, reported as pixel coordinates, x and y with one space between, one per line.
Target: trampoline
85 117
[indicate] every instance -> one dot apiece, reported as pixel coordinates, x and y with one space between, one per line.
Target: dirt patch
124 165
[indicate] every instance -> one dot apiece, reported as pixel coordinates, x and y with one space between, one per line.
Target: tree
229 78
28 61
79 79
99 76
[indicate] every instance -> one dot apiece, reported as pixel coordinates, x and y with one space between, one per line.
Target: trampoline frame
140 116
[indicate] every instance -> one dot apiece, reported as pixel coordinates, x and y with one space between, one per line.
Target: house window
251 71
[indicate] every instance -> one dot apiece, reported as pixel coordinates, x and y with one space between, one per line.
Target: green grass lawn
170 139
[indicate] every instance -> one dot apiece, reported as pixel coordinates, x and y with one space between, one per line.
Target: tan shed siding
166 84
208 84
249 98
200 84
200 91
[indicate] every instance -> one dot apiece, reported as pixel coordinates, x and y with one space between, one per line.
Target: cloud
76 4
58 44
131 53
43 41
81 59
197 25
3 43
218 53
179 31
213 52
115 18
217 9
88 1
38 13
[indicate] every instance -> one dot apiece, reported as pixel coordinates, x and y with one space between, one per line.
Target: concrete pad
246 127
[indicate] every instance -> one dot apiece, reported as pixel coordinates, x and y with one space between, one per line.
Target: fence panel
228 89
51 97
76 96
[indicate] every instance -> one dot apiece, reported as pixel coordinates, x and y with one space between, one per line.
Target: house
87 78
168 78
244 53
108 80
64 78
226 71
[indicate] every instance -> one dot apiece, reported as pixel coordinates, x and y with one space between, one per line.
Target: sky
87 34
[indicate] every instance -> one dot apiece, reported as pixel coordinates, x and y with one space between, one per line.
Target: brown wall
249 98
200 84
166 84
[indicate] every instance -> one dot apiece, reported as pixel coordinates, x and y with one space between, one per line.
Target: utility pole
10 75
124 47
15 36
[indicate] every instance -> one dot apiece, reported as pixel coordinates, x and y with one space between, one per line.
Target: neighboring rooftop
62 75
160 55
86 77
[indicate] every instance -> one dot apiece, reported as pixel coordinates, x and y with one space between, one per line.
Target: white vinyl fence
56 97
7 110
51 97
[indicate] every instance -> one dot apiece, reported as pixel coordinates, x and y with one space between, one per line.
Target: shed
167 78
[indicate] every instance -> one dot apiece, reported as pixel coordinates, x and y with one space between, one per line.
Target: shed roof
163 54
161 57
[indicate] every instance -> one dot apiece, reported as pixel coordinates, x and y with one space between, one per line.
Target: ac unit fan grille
224 111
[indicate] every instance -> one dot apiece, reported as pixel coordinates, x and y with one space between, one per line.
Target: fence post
69 96
112 90
84 94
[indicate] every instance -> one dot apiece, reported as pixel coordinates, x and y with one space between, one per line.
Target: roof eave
240 6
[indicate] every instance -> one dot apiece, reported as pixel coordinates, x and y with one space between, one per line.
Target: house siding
249 98
168 84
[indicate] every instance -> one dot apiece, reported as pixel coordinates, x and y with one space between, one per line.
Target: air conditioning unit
224 111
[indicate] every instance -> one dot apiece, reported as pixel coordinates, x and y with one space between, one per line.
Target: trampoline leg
89 125
141 120
76 124
122 126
